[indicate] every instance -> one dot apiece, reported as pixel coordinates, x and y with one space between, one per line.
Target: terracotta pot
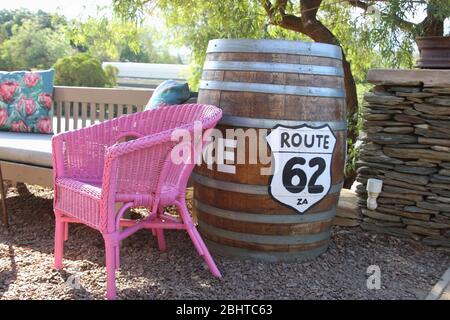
434 52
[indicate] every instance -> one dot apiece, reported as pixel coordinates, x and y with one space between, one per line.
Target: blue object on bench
169 92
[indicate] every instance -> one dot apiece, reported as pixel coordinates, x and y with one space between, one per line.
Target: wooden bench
27 157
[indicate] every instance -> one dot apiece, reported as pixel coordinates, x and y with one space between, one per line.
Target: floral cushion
169 92
26 101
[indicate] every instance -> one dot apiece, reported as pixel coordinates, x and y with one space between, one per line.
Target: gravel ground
408 270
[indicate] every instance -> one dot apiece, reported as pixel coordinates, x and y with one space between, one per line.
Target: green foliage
28 41
83 70
36 40
355 125
104 38
192 23
111 74
112 39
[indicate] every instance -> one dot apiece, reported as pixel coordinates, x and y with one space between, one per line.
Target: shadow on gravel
8 276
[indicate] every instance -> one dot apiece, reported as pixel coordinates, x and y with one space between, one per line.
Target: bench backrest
78 107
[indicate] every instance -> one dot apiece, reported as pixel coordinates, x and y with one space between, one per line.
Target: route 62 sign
303 157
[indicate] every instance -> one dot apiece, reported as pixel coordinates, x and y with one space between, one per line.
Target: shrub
83 70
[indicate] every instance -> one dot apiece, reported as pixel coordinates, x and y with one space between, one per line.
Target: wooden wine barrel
264 84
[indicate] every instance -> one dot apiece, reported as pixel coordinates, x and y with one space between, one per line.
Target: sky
84 8
69 8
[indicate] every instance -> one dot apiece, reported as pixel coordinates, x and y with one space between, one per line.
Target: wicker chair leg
66 231
197 240
3 196
110 272
117 256
161 239
111 246
59 241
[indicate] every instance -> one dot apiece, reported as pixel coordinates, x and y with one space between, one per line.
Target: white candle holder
374 187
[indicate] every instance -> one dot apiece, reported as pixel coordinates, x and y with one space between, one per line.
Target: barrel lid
275 46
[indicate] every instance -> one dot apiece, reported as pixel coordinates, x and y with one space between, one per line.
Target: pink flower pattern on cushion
45 125
19 126
26 103
3 116
7 90
46 100
31 79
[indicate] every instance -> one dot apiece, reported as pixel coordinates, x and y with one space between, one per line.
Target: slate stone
445 165
397 129
440 192
439 185
384 111
443 90
408 118
409 178
423 231
346 222
426 224
415 100
397 232
386 138
383 98
374 165
416 154
436 242
407 196
440 100
415 209
440 218
391 201
420 164
415 94
434 206
402 213
403 90
440 199
402 184
380 216
367 124
381 159
369 153
431 133
412 112
378 117
438 123
432 109
372 146
440 148
382 223
410 146
400 107
440 179
415 170
435 117
433 141
374 129
387 189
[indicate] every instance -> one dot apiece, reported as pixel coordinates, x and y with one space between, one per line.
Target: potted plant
433 45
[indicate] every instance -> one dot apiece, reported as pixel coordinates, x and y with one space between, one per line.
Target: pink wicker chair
93 172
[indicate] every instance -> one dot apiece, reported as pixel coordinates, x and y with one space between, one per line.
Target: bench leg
3 196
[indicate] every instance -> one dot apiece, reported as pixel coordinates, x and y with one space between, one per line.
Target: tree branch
404 25
309 8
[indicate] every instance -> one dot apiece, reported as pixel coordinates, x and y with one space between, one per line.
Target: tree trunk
308 24
432 26
319 33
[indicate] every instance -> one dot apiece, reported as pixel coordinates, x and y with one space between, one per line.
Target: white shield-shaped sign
302 172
